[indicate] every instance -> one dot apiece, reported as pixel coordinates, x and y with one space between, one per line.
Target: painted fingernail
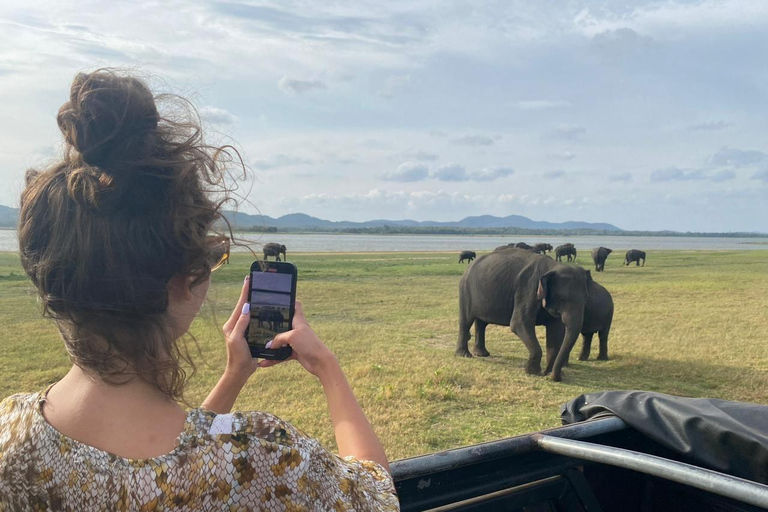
269 344
246 279
246 308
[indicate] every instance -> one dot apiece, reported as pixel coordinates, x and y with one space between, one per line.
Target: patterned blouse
235 462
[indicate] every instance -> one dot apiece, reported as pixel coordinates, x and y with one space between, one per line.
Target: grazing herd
520 286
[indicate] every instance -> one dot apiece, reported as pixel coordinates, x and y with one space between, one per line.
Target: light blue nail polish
246 308
269 344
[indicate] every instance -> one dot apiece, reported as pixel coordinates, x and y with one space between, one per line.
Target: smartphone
272 296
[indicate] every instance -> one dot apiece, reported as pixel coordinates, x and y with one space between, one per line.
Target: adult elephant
467 255
598 317
521 289
568 250
273 249
599 255
542 248
277 320
634 255
522 245
266 315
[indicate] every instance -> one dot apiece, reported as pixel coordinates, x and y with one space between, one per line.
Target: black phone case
274 354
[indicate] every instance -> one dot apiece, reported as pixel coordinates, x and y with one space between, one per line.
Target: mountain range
9 218
300 220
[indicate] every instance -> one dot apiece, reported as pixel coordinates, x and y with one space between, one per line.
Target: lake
330 242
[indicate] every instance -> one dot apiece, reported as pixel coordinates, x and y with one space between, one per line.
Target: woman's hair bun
111 120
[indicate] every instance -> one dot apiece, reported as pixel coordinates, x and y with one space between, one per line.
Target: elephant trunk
573 322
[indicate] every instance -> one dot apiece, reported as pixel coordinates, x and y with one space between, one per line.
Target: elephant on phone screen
277 320
599 255
467 255
634 255
265 315
273 249
598 316
521 289
568 250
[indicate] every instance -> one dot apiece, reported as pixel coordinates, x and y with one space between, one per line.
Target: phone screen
271 301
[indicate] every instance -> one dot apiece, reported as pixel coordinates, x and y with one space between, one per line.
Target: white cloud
624 177
738 157
567 132
297 86
554 175
280 160
217 116
709 126
407 172
492 173
473 140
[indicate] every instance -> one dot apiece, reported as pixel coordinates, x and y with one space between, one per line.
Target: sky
646 115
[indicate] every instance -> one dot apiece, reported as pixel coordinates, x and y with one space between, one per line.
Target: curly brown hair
130 205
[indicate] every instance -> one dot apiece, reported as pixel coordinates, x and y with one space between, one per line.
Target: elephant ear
541 293
590 282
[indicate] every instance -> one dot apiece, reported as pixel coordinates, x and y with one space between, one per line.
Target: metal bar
485 497
450 459
705 479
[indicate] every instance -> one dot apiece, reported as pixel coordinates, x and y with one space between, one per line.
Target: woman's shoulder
258 424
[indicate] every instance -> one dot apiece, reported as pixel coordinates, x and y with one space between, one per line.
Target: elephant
598 316
542 248
522 245
565 250
277 320
273 249
521 289
266 315
634 255
467 255
599 255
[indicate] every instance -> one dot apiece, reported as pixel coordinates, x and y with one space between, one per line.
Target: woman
115 238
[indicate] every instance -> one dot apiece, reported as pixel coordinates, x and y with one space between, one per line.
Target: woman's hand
240 363
308 350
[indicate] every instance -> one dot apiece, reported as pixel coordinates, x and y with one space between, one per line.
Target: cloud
280 160
738 157
451 172
422 155
541 104
567 132
491 174
676 174
721 176
473 140
620 177
394 85
709 126
761 175
565 155
554 175
438 133
297 86
407 172
218 116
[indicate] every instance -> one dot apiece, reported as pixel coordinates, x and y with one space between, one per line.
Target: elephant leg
526 331
461 345
555 335
586 346
603 336
479 349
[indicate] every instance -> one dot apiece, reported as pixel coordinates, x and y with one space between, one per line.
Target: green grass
688 323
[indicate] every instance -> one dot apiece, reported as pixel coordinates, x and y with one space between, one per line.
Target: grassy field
688 323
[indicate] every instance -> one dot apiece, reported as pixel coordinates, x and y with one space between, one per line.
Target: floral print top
235 462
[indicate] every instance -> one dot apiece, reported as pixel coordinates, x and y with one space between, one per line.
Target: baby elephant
636 256
598 316
467 255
